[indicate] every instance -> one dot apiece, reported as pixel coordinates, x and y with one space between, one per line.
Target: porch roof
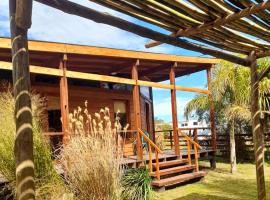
108 61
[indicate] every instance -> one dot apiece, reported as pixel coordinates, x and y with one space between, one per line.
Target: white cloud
49 24
163 109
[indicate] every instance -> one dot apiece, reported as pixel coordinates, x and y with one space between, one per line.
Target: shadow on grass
196 196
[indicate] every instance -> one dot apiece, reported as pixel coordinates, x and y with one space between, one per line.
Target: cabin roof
108 61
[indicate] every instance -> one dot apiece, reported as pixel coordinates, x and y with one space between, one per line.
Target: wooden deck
167 154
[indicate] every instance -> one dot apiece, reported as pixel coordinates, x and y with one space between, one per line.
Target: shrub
47 182
91 158
136 185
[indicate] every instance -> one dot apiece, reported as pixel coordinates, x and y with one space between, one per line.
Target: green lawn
221 185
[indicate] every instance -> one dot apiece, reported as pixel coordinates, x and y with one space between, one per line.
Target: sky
49 24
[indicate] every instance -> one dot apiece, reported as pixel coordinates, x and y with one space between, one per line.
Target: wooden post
20 21
195 135
174 112
212 119
171 142
257 128
64 100
137 110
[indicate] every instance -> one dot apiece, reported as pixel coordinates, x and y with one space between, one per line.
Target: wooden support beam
64 99
217 23
212 118
20 21
99 17
174 112
97 77
257 129
137 110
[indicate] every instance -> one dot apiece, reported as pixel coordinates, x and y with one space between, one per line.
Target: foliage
231 96
47 182
91 158
231 93
136 185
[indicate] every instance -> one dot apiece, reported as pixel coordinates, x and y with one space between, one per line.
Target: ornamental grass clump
48 183
91 158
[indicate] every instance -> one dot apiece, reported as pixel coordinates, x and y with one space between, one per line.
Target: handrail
189 139
157 150
149 141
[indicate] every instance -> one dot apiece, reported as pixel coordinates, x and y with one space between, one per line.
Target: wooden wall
97 98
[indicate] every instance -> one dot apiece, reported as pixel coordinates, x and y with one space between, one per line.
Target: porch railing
196 146
201 135
152 146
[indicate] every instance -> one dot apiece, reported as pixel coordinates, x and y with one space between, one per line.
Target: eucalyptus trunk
232 148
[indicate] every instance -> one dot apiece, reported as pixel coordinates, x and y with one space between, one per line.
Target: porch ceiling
107 61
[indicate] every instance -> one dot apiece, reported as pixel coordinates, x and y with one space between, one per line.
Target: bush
91 158
136 185
47 182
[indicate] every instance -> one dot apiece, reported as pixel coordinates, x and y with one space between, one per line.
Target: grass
219 184
91 156
48 183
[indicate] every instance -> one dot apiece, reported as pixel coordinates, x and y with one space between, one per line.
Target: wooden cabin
68 75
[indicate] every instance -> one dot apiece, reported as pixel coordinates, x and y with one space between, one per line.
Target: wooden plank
178 179
34 69
100 51
174 170
171 163
174 113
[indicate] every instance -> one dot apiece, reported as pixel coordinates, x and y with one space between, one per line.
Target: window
145 91
195 123
120 109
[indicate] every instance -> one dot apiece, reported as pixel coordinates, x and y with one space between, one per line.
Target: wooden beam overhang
73 51
216 23
99 17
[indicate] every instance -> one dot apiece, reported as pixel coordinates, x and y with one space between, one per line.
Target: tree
231 96
20 22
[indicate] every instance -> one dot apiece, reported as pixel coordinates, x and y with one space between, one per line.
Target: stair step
178 179
173 170
170 163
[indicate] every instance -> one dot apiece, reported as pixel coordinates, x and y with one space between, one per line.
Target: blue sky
53 25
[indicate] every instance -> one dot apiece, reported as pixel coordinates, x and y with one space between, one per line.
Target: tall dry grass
91 158
48 183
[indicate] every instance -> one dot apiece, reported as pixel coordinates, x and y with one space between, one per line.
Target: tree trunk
232 148
257 129
23 148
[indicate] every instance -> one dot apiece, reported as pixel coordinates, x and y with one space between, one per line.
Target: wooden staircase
176 170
